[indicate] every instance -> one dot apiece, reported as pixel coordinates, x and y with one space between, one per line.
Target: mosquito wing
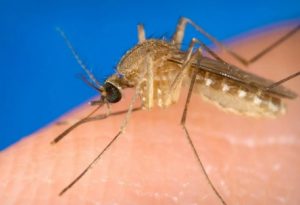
247 79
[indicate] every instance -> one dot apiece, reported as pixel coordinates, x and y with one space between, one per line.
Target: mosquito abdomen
235 97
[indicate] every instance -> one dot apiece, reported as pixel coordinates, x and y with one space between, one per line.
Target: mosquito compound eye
113 94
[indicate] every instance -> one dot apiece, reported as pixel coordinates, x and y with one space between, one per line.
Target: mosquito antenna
89 83
282 81
83 120
79 61
90 165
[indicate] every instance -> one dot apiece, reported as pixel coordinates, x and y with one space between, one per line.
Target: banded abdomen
236 97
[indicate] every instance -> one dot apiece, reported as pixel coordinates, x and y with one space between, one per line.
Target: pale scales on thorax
232 90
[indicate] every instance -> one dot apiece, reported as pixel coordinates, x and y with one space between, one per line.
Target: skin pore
249 160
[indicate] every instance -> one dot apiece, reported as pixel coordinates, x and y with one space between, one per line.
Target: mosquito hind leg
179 34
183 120
180 29
270 87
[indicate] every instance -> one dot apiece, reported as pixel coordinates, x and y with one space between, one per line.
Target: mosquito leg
213 54
64 133
129 111
90 165
178 79
98 117
104 116
141 33
183 120
101 116
273 45
188 60
148 65
95 102
122 129
270 87
179 34
89 119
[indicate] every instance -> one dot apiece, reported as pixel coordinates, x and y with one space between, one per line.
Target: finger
250 161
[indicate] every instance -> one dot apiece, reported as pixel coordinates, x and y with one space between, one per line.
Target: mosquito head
110 92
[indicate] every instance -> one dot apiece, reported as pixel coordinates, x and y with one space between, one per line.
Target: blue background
38 80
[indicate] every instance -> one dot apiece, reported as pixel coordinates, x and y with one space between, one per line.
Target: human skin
249 160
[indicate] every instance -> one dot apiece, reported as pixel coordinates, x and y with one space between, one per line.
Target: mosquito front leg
80 122
180 29
122 127
104 116
90 119
147 72
183 120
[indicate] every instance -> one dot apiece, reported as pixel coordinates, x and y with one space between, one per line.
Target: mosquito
158 70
